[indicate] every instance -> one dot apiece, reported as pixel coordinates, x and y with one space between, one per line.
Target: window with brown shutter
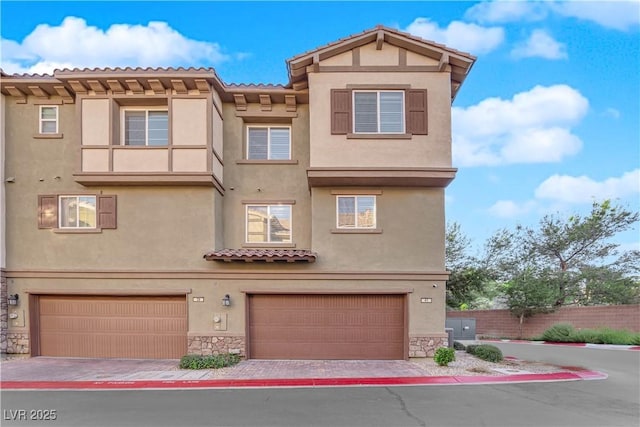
416 110
340 111
76 214
48 211
107 212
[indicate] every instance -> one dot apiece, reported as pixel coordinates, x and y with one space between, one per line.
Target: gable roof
460 62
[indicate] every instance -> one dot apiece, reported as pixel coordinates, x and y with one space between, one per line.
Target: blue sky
547 122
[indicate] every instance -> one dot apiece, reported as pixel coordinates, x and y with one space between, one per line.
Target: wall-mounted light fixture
13 299
226 301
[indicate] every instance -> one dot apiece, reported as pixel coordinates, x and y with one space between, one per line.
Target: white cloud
459 35
612 112
582 189
532 127
510 209
619 15
75 44
540 44
506 11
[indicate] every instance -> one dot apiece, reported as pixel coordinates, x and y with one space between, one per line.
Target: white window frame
77 197
268 206
146 123
356 225
268 127
403 120
42 120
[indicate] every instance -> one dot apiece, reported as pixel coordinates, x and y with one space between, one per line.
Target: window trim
41 120
403 119
268 242
268 127
340 228
77 197
146 109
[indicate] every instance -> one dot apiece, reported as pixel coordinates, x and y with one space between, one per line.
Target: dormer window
145 127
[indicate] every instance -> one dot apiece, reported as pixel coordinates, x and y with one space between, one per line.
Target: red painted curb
297 382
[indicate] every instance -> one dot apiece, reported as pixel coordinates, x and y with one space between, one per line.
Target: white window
268 143
378 112
356 211
77 212
269 224
145 127
48 119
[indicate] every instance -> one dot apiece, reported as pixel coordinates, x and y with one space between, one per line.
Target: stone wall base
426 346
212 345
17 343
4 309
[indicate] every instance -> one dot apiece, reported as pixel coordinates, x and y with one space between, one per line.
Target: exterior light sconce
13 299
226 301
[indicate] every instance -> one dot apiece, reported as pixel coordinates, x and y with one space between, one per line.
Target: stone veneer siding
17 343
4 312
426 346
212 345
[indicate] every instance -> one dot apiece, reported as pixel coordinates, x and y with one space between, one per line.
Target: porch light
13 299
226 301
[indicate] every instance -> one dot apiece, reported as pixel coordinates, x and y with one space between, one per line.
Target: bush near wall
502 324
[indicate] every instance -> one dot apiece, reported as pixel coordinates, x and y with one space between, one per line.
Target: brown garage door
108 326
327 326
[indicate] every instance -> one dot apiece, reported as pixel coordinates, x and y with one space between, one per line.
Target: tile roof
266 255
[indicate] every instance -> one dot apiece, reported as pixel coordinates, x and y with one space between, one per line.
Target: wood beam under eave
97 87
77 86
157 86
179 86
300 85
115 86
202 85
444 61
134 86
241 102
379 40
21 97
64 94
290 101
37 91
265 102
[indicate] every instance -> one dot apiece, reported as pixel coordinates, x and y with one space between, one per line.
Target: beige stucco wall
189 160
412 237
95 121
142 159
189 121
370 55
95 160
272 182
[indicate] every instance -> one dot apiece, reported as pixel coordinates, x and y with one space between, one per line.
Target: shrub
195 361
488 352
560 332
471 348
457 345
444 355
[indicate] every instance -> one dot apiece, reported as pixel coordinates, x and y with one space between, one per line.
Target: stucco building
152 213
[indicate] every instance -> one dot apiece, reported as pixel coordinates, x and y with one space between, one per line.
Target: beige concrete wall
189 160
95 121
140 159
95 160
189 121
265 181
411 221
370 55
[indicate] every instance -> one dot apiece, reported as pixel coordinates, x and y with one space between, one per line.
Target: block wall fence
502 324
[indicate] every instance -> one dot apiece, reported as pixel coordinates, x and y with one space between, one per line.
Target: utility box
463 328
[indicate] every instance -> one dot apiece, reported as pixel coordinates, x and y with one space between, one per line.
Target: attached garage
149 327
319 326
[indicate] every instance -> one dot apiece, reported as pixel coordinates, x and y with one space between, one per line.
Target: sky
546 123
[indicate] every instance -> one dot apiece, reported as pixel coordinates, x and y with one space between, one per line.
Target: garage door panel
327 326
130 327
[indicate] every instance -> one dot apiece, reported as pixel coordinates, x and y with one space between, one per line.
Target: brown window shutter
416 104
107 212
48 211
340 111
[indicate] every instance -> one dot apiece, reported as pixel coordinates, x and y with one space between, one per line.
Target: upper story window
268 224
145 127
48 119
378 112
268 143
356 211
77 212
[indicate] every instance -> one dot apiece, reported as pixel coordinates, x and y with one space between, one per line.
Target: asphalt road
611 402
